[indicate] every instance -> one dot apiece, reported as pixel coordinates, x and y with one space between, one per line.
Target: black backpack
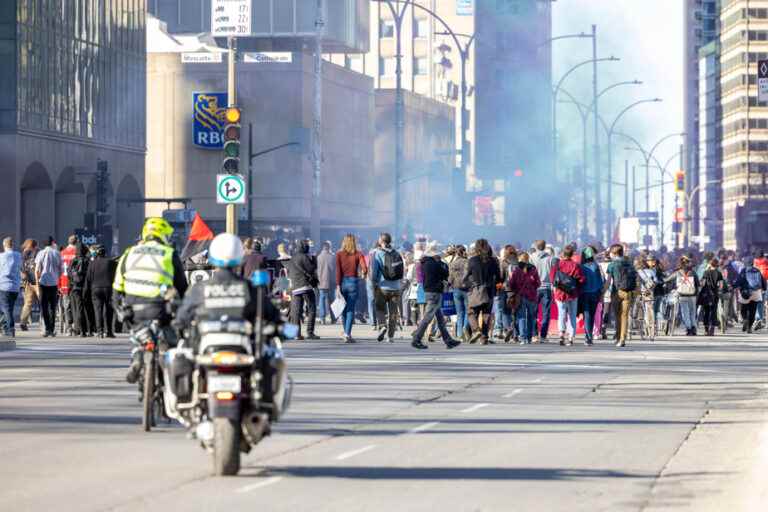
76 272
394 266
626 278
565 282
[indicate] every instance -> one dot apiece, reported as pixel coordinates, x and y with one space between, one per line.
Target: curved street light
621 114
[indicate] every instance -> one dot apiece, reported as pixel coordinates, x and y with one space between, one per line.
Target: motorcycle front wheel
226 447
149 392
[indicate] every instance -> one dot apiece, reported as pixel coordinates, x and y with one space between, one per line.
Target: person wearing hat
435 274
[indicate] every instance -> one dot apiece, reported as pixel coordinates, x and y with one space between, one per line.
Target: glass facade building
710 148
81 69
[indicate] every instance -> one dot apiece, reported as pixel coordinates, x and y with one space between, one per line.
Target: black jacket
481 272
251 263
302 269
435 273
101 273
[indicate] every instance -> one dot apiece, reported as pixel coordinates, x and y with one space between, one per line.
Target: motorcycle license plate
224 383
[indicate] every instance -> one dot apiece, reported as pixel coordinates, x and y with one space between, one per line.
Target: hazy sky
648 37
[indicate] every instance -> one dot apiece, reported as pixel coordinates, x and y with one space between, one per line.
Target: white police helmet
226 250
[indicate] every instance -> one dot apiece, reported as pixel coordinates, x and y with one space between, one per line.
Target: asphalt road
679 424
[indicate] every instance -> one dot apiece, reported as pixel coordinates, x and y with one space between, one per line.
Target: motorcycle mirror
260 278
290 331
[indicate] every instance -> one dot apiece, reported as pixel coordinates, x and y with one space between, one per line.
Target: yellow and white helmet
157 228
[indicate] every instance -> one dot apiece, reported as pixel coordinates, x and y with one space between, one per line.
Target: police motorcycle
227 378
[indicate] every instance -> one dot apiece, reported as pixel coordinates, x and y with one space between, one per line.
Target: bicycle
149 338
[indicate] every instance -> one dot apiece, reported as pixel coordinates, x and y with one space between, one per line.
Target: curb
7 345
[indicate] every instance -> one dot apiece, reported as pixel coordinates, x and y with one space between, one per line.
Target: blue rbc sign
209 109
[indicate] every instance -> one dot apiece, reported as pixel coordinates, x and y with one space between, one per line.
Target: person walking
622 278
28 283
435 274
77 271
712 284
302 271
98 285
687 289
543 261
457 269
10 284
482 277
48 270
502 315
751 285
567 279
350 264
524 283
591 292
253 259
67 254
387 270
326 273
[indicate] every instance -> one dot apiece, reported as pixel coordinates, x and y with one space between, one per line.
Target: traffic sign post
230 189
762 81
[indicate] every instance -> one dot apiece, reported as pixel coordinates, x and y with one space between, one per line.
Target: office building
710 136
72 91
744 42
701 28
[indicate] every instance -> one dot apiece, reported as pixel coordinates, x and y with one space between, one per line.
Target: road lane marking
253 487
422 428
353 453
474 408
515 392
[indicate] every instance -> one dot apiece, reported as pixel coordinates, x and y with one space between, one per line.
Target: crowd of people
475 293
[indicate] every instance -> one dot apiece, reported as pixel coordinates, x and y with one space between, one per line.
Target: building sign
209 109
465 7
230 18
230 189
762 81
201 58
268 57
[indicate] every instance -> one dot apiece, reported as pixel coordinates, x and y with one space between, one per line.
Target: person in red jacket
67 255
567 279
524 283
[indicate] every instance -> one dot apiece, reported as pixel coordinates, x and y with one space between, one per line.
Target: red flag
200 230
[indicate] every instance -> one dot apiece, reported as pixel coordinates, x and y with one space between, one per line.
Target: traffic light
231 163
680 181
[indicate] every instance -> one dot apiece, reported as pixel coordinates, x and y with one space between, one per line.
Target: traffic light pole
231 219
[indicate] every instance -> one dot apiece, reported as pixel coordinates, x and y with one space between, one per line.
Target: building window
421 28
387 66
420 66
386 28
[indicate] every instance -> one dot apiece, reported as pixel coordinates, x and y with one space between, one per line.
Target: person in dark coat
302 271
712 284
98 284
253 260
482 278
435 274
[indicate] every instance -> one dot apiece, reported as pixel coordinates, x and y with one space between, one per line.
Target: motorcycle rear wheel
148 403
226 447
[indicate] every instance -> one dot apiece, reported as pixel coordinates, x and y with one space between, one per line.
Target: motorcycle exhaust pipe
255 426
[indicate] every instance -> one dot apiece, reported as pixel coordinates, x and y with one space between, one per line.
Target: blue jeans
526 319
349 292
460 301
545 300
326 298
568 308
503 317
369 293
7 303
590 301
688 311
432 310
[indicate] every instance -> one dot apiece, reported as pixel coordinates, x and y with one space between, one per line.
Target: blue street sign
208 116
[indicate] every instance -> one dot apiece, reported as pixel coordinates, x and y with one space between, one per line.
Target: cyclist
146 273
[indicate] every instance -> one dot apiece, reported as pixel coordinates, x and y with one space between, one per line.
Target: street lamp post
688 199
610 160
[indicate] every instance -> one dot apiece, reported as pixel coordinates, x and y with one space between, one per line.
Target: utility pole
317 143
250 180
626 188
231 220
598 201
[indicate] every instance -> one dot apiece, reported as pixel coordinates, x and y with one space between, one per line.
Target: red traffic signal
680 181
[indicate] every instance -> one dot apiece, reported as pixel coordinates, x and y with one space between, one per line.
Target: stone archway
70 204
37 203
130 216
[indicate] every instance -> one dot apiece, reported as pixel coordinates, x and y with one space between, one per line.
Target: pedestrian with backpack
687 287
387 272
622 277
712 284
592 290
751 285
567 279
543 261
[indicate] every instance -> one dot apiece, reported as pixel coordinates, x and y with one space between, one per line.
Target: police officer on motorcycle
226 293
146 275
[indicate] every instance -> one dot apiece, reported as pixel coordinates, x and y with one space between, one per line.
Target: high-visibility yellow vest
145 270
